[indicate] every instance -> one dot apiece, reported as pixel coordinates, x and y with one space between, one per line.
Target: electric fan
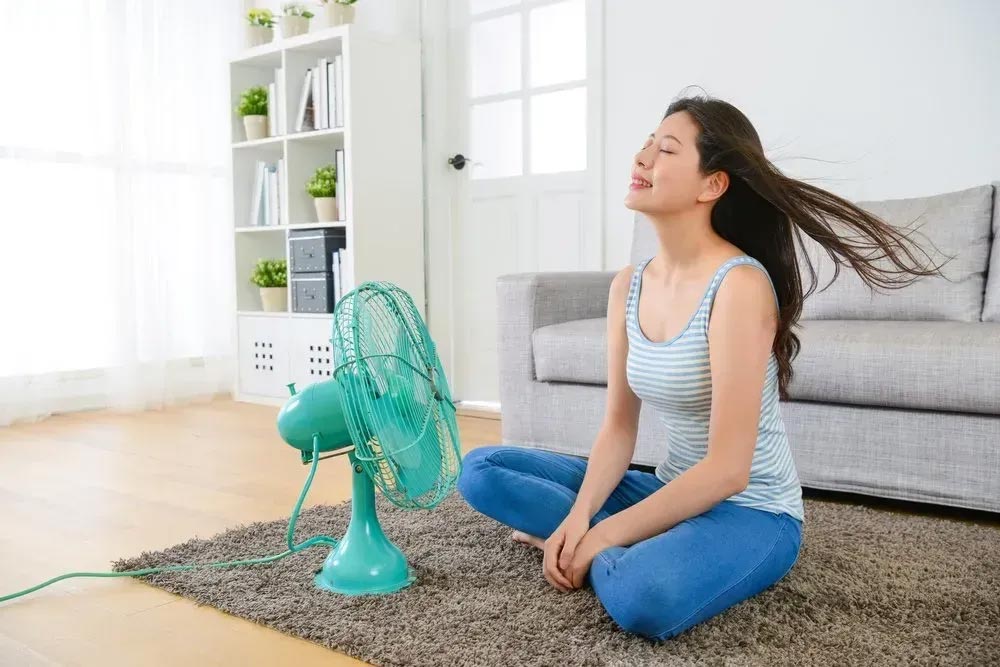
388 407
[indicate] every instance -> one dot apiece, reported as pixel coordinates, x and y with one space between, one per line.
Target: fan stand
365 561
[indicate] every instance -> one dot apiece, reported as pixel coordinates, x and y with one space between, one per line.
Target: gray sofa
895 394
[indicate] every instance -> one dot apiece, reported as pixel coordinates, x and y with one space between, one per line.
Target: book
256 195
315 98
272 195
265 205
280 194
331 98
303 120
279 102
338 65
341 185
336 276
324 113
272 109
346 271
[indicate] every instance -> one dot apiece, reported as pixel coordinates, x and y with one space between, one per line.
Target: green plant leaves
253 102
324 182
261 17
270 273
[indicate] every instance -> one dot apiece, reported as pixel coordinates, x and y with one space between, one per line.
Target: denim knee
650 621
656 613
470 478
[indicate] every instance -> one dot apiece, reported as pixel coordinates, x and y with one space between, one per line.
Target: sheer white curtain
116 268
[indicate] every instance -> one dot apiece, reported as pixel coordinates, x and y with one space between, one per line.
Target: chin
633 205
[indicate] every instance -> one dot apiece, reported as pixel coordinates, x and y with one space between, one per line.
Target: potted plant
260 27
339 12
323 188
295 19
271 276
253 109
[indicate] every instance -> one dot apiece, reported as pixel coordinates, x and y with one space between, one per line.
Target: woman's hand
561 546
592 544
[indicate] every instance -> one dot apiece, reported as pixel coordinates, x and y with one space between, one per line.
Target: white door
514 87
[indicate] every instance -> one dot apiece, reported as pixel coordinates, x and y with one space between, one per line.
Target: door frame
443 83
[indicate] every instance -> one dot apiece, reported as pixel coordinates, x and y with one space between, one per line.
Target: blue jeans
656 588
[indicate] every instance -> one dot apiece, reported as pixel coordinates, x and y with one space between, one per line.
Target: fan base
365 561
362 588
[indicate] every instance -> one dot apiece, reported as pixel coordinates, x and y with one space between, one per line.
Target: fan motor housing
316 410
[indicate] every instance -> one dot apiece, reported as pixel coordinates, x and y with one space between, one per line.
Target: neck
685 238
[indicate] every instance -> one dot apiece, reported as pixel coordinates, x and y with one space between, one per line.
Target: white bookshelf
381 193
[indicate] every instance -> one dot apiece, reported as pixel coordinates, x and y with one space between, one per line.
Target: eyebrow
652 136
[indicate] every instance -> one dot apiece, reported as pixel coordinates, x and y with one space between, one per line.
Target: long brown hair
765 213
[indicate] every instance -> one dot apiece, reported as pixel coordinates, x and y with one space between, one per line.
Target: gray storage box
311 250
312 292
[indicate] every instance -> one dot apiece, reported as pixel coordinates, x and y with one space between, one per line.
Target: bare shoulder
746 290
620 283
619 287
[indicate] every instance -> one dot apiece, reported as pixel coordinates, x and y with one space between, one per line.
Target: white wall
905 95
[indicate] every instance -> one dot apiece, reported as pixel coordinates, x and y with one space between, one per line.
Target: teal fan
388 407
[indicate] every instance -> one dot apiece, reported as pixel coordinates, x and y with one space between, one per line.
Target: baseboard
478 409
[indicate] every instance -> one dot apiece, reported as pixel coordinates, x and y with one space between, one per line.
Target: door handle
458 161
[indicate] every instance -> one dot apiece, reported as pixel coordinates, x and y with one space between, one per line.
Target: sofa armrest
529 301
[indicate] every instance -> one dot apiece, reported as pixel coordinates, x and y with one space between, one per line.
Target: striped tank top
674 377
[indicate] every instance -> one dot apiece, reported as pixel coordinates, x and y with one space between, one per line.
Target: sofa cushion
952 366
991 303
957 223
574 351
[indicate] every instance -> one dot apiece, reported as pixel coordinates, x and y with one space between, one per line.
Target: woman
702 331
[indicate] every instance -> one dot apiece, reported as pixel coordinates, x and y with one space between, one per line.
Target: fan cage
382 348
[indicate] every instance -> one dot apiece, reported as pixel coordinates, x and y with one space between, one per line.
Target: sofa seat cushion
953 366
575 351
930 365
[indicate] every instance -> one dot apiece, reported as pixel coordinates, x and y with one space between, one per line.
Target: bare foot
519 536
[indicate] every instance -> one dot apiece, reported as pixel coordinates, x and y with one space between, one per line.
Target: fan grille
396 397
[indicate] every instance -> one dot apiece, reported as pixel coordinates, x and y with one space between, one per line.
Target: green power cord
292 547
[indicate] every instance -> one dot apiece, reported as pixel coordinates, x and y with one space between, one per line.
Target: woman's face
665 177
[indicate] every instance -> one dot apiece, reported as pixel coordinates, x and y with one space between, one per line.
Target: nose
641 160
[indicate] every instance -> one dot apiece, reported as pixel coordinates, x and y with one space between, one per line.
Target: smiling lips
639 183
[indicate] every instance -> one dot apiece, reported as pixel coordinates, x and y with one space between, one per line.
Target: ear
715 186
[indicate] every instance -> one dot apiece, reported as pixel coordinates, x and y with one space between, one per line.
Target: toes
524 538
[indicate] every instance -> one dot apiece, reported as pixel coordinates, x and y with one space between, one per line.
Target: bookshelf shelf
261 229
255 143
261 313
304 225
316 135
383 225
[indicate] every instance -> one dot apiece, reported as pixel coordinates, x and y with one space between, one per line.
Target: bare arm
741 332
615 443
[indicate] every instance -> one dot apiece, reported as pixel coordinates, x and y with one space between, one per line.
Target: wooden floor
78 491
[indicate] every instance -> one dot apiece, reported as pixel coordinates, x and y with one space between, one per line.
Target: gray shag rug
870 587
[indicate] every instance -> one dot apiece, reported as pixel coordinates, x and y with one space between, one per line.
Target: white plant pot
326 209
255 127
338 14
259 34
292 26
274 299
